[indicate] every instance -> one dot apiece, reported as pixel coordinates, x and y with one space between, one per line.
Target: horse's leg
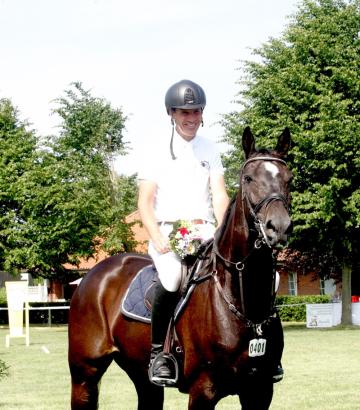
85 379
150 396
256 393
203 394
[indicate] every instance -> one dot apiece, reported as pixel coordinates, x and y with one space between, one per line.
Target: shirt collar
180 143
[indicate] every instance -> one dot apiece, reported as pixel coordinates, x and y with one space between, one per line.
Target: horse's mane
219 232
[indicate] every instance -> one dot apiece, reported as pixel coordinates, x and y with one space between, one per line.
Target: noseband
262 239
240 265
254 209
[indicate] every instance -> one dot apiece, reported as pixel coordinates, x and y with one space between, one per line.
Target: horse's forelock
265 152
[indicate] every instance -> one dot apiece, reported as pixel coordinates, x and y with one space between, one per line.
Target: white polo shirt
183 184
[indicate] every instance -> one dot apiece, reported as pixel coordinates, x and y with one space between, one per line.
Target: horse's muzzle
277 231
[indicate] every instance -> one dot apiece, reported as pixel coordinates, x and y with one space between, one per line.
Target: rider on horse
185 184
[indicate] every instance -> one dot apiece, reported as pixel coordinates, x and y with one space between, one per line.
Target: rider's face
187 122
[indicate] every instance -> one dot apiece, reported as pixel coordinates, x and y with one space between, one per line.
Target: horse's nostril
270 226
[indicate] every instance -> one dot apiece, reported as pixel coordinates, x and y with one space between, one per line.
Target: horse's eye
247 179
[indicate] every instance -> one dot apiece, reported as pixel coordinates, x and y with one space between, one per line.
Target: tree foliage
117 233
308 80
66 200
17 158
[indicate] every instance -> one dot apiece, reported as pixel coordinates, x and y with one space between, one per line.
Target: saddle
139 297
137 302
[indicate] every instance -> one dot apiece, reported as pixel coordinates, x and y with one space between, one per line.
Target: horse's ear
284 142
248 142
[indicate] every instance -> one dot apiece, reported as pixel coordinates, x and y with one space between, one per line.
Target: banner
329 314
16 294
323 314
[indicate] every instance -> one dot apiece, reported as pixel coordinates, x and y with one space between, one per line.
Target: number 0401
257 347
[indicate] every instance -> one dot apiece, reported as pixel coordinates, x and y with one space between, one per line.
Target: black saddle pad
134 303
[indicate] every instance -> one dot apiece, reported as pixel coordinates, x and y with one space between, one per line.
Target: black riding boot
162 311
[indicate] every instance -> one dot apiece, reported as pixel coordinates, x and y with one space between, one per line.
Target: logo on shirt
205 164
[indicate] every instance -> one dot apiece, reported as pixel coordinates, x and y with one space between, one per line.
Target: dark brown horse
229 316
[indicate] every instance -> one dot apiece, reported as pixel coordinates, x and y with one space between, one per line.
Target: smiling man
183 183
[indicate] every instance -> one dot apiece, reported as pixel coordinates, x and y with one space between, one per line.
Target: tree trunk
346 295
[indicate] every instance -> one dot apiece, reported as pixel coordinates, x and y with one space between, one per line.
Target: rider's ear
248 142
284 142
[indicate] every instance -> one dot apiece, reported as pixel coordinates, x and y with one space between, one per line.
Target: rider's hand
161 243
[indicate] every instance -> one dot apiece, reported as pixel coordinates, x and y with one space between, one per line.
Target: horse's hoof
278 375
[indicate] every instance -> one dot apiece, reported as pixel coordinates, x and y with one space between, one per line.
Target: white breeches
168 264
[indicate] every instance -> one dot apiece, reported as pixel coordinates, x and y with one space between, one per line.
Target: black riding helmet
185 95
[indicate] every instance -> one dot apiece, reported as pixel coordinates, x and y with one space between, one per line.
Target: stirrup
162 381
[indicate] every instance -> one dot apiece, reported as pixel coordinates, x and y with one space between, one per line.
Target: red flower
183 231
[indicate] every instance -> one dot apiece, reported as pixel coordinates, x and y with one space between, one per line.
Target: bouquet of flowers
185 238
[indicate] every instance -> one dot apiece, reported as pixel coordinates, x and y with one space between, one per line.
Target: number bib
257 347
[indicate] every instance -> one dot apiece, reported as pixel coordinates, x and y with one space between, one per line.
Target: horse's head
265 182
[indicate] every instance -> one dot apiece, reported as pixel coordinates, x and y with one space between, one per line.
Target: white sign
16 294
323 315
329 314
355 313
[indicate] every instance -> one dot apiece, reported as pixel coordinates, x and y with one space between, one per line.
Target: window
322 286
292 278
327 287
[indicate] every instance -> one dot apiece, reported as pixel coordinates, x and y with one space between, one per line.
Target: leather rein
240 264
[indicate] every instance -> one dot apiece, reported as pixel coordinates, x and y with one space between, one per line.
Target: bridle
262 239
255 209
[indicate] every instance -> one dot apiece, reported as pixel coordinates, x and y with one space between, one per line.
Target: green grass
322 372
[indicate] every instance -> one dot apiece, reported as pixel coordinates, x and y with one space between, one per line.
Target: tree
117 234
68 195
17 157
308 80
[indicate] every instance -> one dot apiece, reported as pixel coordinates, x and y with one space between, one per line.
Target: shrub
3 369
3 299
293 308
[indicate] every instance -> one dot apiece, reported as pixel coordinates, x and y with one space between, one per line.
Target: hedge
293 308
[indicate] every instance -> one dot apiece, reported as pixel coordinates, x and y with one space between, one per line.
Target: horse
229 334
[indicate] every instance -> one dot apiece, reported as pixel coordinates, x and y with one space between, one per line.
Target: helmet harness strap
172 140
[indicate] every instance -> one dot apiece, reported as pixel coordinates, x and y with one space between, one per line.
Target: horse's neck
235 238
254 282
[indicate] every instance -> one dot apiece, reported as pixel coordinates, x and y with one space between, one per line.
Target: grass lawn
322 372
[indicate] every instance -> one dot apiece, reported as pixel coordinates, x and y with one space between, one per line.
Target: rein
258 243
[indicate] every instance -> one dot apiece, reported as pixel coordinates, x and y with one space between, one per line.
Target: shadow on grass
291 326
